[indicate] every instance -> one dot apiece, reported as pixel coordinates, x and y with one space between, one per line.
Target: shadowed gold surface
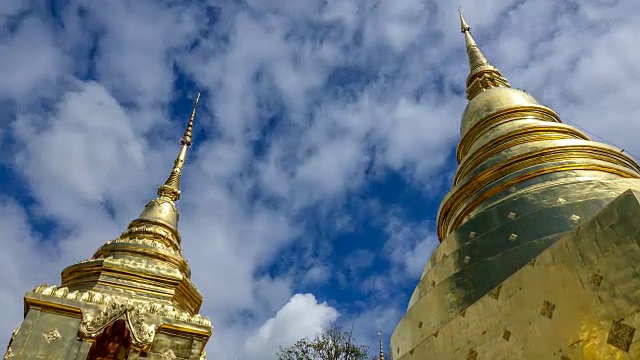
507 280
141 277
578 299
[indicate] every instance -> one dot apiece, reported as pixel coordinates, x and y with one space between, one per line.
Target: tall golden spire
152 239
381 347
482 75
170 190
136 288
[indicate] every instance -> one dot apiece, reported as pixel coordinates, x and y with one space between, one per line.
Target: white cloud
24 73
133 55
84 154
317 274
301 317
397 23
409 245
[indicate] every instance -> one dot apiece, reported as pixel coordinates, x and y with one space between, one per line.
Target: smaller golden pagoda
133 299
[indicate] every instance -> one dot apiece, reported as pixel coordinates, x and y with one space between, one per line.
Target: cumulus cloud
312 111
301 317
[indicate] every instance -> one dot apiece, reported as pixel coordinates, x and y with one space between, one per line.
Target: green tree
334 344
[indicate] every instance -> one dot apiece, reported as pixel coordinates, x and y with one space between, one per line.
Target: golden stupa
133 299
539 236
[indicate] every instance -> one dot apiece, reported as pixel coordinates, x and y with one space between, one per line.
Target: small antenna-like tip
464 27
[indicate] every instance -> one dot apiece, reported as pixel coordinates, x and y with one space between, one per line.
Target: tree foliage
334 344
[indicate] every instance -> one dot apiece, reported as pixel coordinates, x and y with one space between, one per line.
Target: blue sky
323 145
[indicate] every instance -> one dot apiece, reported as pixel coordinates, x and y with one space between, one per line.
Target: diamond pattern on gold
495 293
473 355
621 335
547 309
596 279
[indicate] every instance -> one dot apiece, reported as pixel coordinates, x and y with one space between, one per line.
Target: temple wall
47 335
52 329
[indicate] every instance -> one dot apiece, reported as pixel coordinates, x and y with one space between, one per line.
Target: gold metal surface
140 280
539 239
578 300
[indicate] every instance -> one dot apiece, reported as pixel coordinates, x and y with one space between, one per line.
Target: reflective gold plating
493 119
506 142
513 278
459 216
553 309
145 252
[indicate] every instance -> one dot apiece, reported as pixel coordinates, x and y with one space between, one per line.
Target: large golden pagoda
539 255
133 299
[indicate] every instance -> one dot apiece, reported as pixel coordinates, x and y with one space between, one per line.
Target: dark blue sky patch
8 111
56 8
272 114
11 24
15 186
348 81
84 51
315 32
109 207
394 190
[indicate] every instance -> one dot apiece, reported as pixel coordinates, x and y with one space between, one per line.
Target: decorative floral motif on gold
100 299
52 335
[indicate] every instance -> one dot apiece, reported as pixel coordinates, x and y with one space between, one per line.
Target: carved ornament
9 354
146 307
147 242
150 230
168 355
142 333
137 265
52 335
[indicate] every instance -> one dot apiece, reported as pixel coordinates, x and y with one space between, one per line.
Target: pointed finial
186 138
170 190
464 27
381 347
476 58
482 75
